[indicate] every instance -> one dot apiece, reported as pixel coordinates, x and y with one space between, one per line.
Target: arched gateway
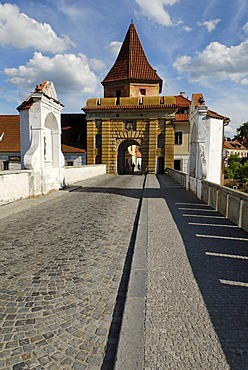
133 111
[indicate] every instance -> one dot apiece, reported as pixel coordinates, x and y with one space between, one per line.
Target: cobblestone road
61 264
196 301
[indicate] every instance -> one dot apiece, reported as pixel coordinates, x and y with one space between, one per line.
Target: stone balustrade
231 203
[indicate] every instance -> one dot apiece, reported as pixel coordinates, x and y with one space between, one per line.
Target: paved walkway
65 264
62 260
194 309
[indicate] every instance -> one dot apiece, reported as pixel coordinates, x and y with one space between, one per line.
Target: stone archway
121 166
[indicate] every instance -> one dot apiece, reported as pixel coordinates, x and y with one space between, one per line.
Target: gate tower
132 113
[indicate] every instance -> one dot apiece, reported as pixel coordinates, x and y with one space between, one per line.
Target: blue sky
195 46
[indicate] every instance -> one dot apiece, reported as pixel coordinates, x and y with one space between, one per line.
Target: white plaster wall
215 151
14 186
184 161
75 174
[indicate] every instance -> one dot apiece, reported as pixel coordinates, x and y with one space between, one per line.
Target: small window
142 91
178 137
98 141
177 164
160 143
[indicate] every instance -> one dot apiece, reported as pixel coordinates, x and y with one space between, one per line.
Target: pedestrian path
194 309
66 260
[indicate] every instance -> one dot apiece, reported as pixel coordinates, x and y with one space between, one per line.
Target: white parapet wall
75 174
14 185
230 203
21 184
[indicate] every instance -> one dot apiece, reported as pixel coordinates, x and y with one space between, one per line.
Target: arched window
98 141
160 143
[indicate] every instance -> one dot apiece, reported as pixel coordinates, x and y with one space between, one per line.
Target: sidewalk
190 310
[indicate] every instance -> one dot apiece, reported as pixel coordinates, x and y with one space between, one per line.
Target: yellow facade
146 122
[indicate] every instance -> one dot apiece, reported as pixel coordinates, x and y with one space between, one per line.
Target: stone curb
130 352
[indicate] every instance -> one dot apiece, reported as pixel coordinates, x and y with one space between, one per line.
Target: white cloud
20 31
69 73
217 61
114 47
187 28
210 25
97 65
245 28
156 11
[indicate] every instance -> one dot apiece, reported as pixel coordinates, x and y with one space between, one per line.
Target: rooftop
131 62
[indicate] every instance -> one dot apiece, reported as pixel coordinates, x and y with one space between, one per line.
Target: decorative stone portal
40 121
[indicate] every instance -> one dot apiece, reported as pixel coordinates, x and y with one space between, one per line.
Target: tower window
142 91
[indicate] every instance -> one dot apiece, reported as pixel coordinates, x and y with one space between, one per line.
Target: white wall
75 174
16 185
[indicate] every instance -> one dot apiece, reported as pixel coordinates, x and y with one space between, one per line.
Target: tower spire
131 64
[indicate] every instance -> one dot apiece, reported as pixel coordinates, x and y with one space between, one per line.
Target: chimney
182 93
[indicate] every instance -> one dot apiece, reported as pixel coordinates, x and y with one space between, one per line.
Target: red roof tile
10 133
182 117
131 62
182 101
234 145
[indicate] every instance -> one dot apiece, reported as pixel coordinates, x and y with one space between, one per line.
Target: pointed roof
131 62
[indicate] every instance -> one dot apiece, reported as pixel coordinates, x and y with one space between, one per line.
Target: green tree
242 134
244 172
234 166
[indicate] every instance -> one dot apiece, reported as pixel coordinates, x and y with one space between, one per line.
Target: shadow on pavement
218 253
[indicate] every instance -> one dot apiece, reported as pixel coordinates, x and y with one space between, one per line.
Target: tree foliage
235 169
242 134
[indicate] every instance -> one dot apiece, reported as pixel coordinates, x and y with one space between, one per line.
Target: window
160 143
177 164
98 141
142 91
178 137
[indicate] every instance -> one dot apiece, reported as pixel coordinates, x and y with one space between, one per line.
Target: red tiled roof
10 133
181 117
182 101
213 114
131 62
71 149
73 138
234 145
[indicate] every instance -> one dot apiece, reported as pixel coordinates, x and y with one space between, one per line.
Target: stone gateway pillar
40 124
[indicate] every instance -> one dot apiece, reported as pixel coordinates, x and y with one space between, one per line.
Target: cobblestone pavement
61 265
197 284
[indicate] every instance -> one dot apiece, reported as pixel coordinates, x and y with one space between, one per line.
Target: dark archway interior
160 164
121 154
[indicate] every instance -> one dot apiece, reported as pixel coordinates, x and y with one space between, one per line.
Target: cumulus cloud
114 47
245 28
217 61
187 28
20 31
69 73
210 25
156 11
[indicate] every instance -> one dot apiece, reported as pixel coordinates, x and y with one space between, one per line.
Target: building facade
133 113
